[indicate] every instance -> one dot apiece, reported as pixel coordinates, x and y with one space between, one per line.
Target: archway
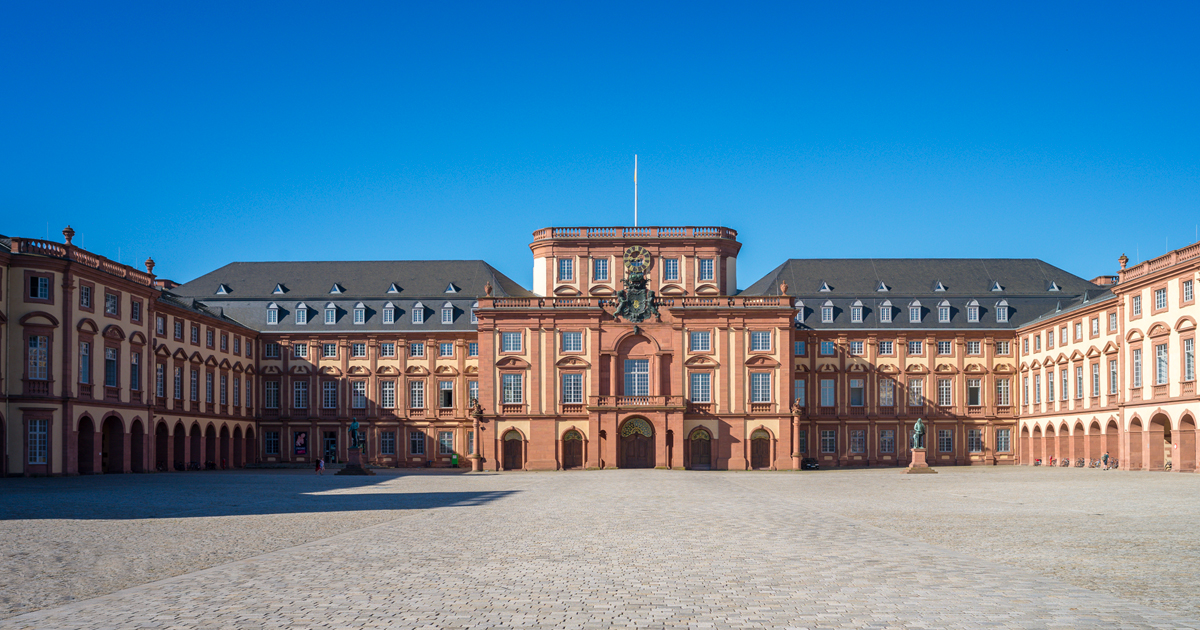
112 446
1051 444
85 446
1077 444
181 447
1112 442
572 450
1160 452
1185 459
137 447
1133 459
210 447
1064 445
1026 447
1038 446
700 449
162 440
223 463
251 447
194 459
1095 447
637 444
760 450
237 447
513 459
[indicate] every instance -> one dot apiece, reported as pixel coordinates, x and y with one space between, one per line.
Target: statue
635 302
918 434
355 436
797 407
476 408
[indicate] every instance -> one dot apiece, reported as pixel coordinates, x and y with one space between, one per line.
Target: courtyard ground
967 548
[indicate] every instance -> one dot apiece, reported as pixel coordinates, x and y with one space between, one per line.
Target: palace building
634 349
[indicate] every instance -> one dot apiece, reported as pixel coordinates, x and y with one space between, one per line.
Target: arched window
856 312
973 311
447 313
272 313
914 312
360 313
330 313
418 313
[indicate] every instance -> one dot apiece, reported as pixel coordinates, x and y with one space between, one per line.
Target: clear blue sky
218 132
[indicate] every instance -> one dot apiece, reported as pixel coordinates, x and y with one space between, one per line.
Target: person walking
1105 460
320 466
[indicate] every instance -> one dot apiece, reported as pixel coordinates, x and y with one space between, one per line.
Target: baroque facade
634 348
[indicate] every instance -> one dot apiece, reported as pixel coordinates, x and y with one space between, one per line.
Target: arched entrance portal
194 447
251 447
1160 443
137 447
1051 445
223 463
162 440
572 450
1186 453
237 447
210 447
512 450
637 444
1037 446
1095 448
760 450
701 449
112 446
1026 447
85 446
181 449
1112 442
1134 457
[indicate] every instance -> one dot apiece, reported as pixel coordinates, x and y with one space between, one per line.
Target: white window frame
387 394
760 341
510 341
700 341
566 269
760 387
572 388
707 271
600 269
700 387
416 349
670 269
572 341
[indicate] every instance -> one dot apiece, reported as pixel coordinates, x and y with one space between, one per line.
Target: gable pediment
512 363
271 369
417 370
708 289
566 290
113 331
249 369
211 361
224 365
601 290
916 368
329 370
1159 330
1092 352
359 370
1048 362
1076 356
573 362
1061 359
237 367
445 370
387 370
672 290
299 370
1111 348
162 351
762 361
180 354
196 358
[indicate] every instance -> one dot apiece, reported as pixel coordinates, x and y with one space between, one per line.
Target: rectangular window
1063 333
1079 381
1026 398
827 348
331 315
224 390
416 395
760 341
1001 313
828 392
1026 348
38 442
39 288
1037 342
418 314
701 341
1049 339
85 297
974 392
944 347
1160 364
760 387
194 392
1003 395
387 394
329 350
826 314
160 325
887 441
473 349
573 341
886 348
670 269
416 350
272 316
387 349
858 392
300 350
944 314
828 441
1137 304
973 347
572 389
1189 359
1050 386
637 377
600 269
112 304
510 342
856 314
208 387
389 315
858 441
1137 367
1003 440
972 313
272 394
701 387
1095 326
85 362
1037 388
1112 376
160 381
1160 299
135 310
799 348
1112 322
360 315
210 338
974 440
885 314
916 392
945 440
445 443
944 389
270 350
1095 379
110 367
271 442
706 269
300 394
1003 348
446 394
887 392
178 383
799 390
1187 291
473 390
802 437
387 443
224 342
914 348
135 372
358 349
471 442
448 315
566 269
856 347
358 394
446 349
237 345
512 390
416 442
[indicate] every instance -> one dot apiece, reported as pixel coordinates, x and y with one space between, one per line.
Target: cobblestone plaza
969 548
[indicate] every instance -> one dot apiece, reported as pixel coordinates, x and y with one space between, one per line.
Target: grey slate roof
1089 298
1025 286
249 288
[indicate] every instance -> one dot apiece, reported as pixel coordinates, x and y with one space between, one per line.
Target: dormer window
973 311
944 312
336 288
272 313
885 312
825 288
939 287
301 313
330 313
279 289
1053 286
447 313
914 312
474 317
389 313
360 313
393 288
799 312
222 289
882 288
1002 311
996 286
827 312
418 313
856 312
450 288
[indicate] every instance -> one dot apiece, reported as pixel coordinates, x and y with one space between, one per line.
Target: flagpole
635 215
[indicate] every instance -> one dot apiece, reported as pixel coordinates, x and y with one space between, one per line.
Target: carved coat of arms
635 302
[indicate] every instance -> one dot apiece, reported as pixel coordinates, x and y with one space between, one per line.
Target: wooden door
572 450
701 453
638 451
512 454
760 453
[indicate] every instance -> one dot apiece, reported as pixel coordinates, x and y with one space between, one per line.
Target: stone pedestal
476 463
918 464
354 464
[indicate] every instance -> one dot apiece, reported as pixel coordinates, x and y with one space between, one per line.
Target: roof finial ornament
150 266
783 288
1124 260
487 288
68 234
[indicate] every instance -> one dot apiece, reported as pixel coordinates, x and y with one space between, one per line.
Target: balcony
37 388
596 233
637 402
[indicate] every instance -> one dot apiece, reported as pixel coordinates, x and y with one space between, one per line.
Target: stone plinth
918 464
354 464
